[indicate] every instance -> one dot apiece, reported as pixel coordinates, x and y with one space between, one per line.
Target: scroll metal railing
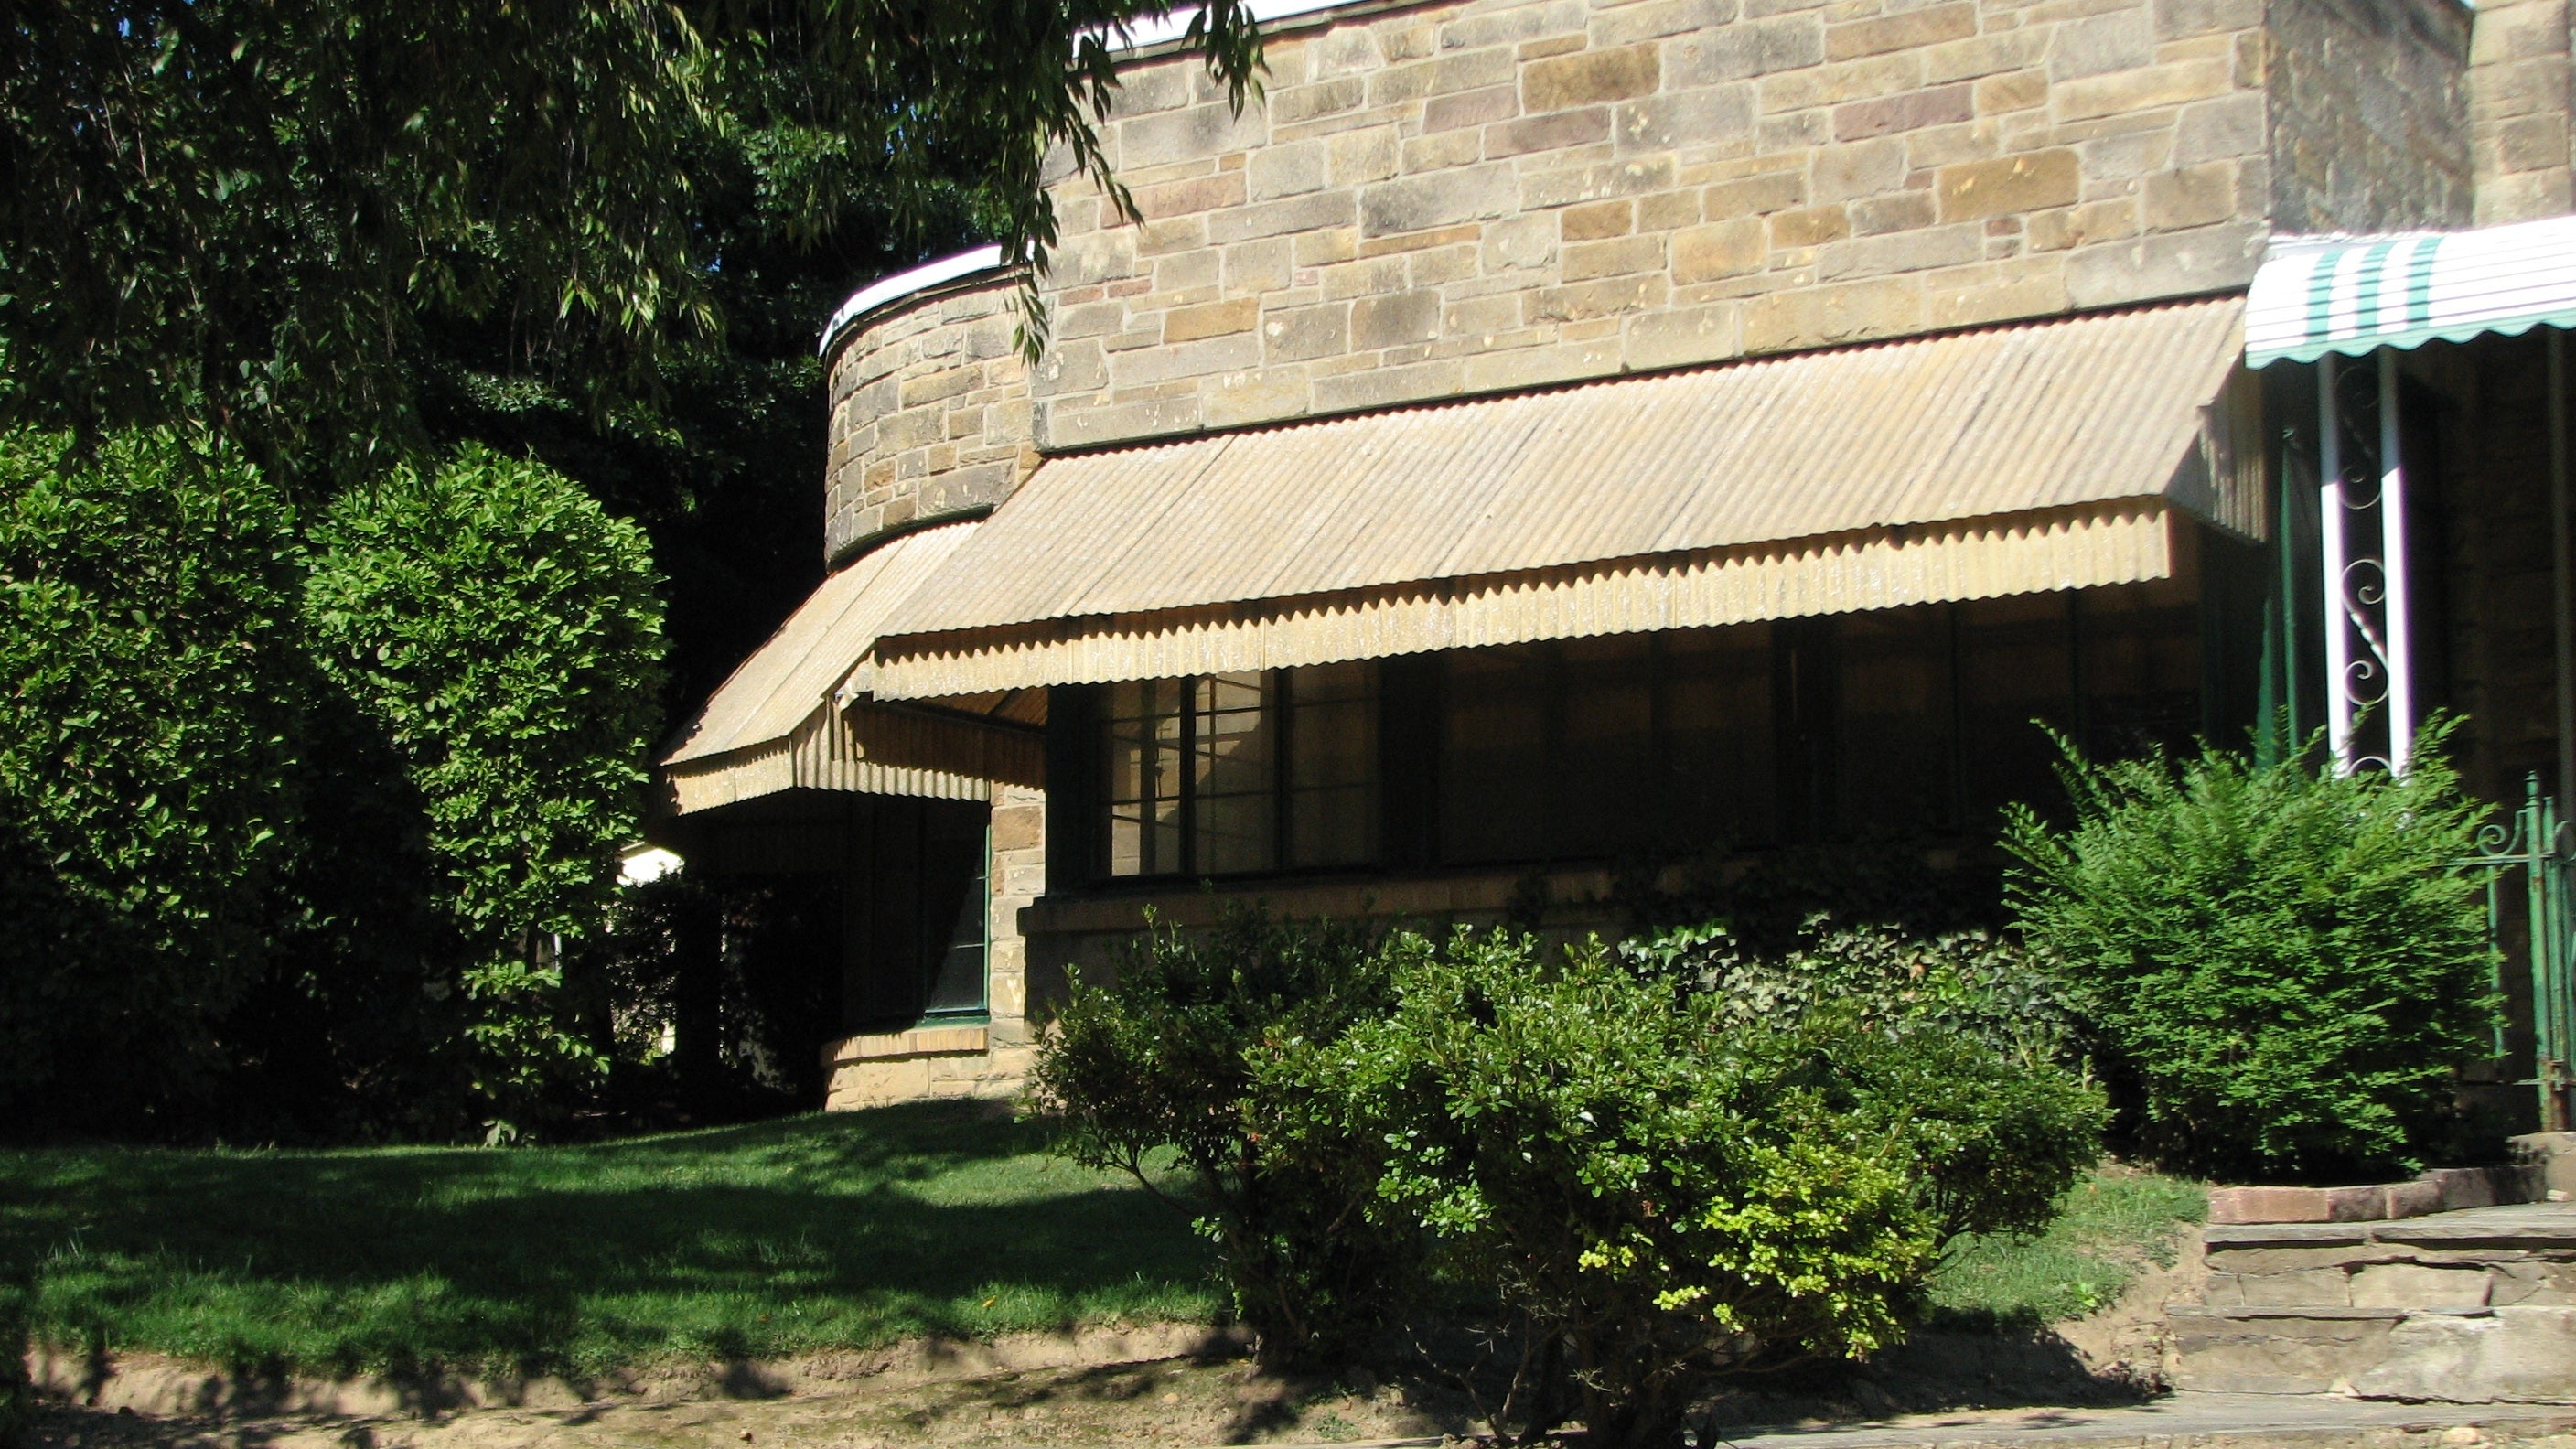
2541 848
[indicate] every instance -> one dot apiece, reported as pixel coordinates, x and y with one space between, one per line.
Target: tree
149 789
503 633
245 211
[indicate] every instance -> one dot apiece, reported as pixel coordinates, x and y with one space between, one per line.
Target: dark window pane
1332 766
1494 755
2141 669
1605 773
1719 771
954 874
1235 773
2013 668
1143 777
1893 727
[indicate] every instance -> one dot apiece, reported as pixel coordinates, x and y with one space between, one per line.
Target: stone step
2467 1307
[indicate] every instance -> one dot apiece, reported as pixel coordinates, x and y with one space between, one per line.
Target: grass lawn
847 1230
841 1231
2115 1222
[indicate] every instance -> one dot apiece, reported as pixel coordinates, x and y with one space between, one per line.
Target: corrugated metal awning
2353 295
2008 459
773 724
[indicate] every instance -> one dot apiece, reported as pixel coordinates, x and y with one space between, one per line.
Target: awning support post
2563 591
2330 544
2392 550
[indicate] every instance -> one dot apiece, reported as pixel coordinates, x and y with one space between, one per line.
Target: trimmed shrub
149 791
1664 1189
2282 959
1151 1073
503 633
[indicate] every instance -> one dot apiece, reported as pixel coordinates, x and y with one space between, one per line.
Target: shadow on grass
741 1242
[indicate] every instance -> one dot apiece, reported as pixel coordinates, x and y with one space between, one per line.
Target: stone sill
1187 903
921 1041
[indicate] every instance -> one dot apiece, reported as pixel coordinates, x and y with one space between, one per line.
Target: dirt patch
1179 1401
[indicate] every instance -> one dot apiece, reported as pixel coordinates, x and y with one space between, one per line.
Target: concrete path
2284 1419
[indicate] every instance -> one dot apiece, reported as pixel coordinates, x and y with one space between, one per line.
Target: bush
2283 959
1664 1189
503 633
1156 1067
149 790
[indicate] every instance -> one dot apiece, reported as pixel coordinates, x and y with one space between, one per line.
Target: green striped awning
2353 295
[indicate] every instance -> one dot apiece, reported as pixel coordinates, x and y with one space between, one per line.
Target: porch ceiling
2001 460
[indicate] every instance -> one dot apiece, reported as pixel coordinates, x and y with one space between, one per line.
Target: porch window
1224 774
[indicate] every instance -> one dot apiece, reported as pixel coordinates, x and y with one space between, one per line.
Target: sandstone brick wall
2519 94
2369 115
929 413
1490 194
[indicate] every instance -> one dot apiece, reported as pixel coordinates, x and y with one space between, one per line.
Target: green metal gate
2539 846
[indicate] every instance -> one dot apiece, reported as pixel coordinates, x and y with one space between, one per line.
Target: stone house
1536 434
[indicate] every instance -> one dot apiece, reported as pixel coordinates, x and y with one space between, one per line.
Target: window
1596 748
1224 774
919 906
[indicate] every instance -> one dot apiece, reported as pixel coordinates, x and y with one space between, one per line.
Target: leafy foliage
2282 957
244 212
1160 1061
1668 1189
504 633
149 791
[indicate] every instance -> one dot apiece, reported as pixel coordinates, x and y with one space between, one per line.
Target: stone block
1395 319
2171 264
2254 1351
1197 194
1298 334
1655 19
1354 157
1719 249
1847 312
1192 133
2126 92
1584 300
1902 211
1263 396
2416 1285
1590 77
1279 218
1744 50
1994 53
1697 117
1417 203
2515 1355
1297 105
1596 220
1682 335
1905 30
1210 319
1592 183
1563 130
1285 168
2008 185
2214 130
1616 257
1910 111
1469 109
2184 19
2329 1287
1809 226
1387 386
1862 168
1439 151
2094 44
2191 196
1909 251
1755 195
